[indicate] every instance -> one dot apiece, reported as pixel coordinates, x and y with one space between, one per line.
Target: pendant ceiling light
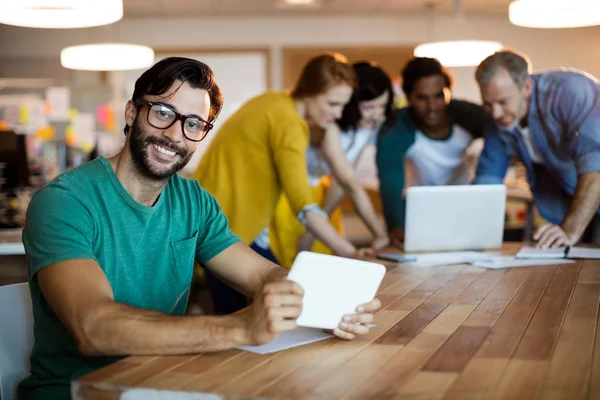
60 14
107 57
554 13
457 53
300 2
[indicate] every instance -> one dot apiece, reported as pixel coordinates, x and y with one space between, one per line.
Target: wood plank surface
448 332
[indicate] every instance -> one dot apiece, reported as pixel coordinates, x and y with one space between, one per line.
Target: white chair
16 337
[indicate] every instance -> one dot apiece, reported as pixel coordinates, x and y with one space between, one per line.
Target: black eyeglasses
163 116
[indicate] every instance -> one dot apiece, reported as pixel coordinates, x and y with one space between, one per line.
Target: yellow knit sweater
257 154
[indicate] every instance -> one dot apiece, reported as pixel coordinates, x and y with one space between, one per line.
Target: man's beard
517 122
138 146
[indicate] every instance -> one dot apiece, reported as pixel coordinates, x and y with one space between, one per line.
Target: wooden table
452 332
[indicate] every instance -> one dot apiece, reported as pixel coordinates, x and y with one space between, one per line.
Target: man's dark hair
372 83
162 75
421 67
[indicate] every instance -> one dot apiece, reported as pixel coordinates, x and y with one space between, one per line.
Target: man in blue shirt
551 122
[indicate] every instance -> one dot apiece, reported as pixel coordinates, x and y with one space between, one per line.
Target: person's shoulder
180 184
564 78
469 115
189 191
402 128
273 99
76 182
403 115
279 108
282 104
565 93
461 104
87 171
70 193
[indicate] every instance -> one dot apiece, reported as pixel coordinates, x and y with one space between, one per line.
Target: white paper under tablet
333 286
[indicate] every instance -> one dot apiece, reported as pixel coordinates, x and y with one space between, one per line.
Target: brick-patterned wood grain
450 332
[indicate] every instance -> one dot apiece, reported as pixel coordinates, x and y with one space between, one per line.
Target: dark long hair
372 83
162 75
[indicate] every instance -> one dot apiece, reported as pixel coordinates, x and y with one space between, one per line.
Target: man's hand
274 310
397 237
380 242
552 236
356 324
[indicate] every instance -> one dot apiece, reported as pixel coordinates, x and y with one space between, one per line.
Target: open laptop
455 217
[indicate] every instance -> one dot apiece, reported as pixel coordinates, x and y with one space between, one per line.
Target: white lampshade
458 53
60 13
107 57
554 13
300 2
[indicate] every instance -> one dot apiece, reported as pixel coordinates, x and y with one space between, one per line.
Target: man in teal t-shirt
111 246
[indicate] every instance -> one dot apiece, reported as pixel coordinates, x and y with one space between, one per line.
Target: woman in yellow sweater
260 153
331 166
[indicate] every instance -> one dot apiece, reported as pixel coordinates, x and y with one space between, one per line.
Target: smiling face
324 109
157 154
504 101
373 111
429 100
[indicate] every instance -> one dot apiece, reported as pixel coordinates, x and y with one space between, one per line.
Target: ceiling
199 8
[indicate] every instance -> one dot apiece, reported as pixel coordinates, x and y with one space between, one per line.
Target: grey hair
518 66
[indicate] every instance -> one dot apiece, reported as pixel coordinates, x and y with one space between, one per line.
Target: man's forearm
123 330
275 273
585 204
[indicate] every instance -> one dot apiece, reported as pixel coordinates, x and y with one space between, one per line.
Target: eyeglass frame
178 116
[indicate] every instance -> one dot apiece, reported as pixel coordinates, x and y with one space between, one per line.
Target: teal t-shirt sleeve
58 228
214 235
390 166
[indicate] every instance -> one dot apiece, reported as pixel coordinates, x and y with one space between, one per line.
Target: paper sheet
298 337
528 252
153 394
583 252
287 340
448 258
500 262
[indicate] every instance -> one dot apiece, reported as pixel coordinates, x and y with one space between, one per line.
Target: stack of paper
583 252
435 259
500 262
287 340
528 256
528 252
153 394
561 252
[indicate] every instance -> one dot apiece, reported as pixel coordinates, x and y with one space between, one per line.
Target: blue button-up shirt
564 124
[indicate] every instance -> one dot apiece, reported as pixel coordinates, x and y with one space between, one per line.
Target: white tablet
333 286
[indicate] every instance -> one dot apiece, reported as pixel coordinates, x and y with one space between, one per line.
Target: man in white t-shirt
428 142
